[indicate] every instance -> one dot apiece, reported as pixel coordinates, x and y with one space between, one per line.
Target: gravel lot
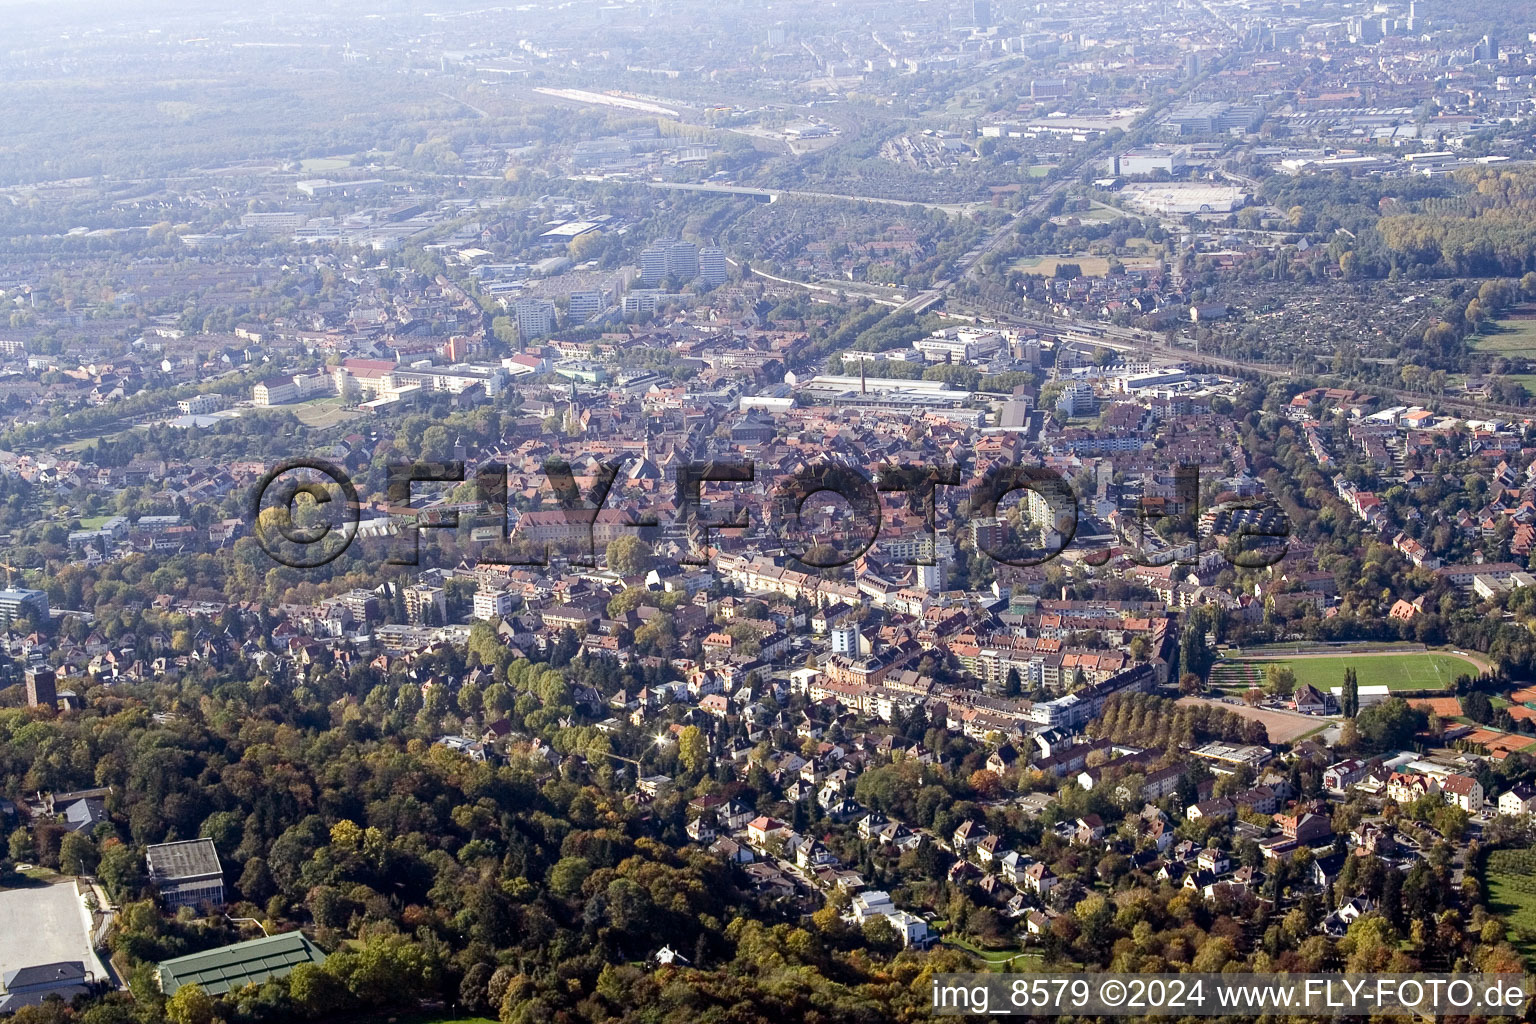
1283 726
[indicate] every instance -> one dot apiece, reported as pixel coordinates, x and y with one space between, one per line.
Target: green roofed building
227 968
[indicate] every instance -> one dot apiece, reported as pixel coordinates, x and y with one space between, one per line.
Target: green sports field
1419 671
322 412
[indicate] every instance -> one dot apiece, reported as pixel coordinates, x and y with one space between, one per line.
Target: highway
966 265
1000 236
769 195
861 290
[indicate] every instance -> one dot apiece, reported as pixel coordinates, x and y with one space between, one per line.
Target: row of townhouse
1454 788
1316 444
872 669
1415 552
1366 505
1039 662
875 701
757 575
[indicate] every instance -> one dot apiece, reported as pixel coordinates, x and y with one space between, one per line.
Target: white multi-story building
914 547
290 388
669 257
653 263
712 265
1076 399
535 317
200 405
1517 801
423 602
683 260
274 391
640 303
958 345
454 379
911 929
584 305
1150 160
1464 791
497 603
16 604
280 223
845 638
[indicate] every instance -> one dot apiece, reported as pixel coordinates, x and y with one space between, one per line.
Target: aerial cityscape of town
640 511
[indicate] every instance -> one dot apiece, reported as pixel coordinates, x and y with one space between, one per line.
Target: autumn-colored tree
986 783
189 1005
693 748
1279 681
628 555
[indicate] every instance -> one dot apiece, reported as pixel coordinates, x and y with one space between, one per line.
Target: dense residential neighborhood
632 513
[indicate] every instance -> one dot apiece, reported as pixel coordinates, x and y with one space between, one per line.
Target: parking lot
45 924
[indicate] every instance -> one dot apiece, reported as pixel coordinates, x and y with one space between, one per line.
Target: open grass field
83 443
1511 879
315 164
323 412
997 960
1097 213
1093 266
1427 670
1515 335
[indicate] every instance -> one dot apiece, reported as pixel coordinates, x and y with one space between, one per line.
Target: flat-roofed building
19 603
1150 160
535 317
584 305
187 874
200 405
712 265
489 602
1226 758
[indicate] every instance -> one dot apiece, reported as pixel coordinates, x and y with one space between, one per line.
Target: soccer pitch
1420 671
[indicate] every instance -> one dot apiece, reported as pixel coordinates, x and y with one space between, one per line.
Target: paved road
1001 234
771 194
1150 343
967 264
